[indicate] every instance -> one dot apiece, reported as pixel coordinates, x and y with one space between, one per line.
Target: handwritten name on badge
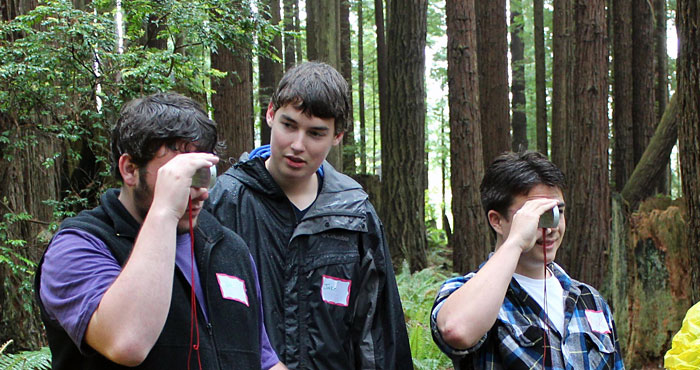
232 288
597 321
335 290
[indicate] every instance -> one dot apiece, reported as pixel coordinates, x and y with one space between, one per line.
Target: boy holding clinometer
520 310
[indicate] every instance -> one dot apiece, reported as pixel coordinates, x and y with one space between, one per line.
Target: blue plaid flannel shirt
515 340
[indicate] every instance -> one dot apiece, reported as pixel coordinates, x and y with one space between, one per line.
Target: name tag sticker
232 288
335 291
597 321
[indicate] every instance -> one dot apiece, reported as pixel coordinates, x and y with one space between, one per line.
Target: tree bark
661 89
25 183
655 158
403 135
469 241
289 40
587 139
361 88
270 71
323 44
643 114
540 78
233 103
517 70
688 64
562 78
382 64
348 151
492 48
623 143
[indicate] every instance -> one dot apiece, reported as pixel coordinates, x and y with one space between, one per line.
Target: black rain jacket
330 298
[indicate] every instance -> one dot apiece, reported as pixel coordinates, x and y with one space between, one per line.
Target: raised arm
133 311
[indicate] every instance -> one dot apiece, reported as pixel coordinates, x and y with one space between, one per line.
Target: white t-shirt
555 297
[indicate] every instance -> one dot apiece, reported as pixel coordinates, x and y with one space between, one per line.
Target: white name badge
232 288
597 321
335 291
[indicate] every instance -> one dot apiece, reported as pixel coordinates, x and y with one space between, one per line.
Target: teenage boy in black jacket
329 292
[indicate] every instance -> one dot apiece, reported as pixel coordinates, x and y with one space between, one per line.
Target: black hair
512 174
146 124
316 89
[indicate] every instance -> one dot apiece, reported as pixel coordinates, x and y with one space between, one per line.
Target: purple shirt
71 295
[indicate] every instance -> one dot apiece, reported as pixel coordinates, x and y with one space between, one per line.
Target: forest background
439 89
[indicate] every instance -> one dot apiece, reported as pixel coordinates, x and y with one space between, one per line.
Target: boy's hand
172 188
524 230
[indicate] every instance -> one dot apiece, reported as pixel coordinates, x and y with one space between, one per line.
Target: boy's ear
338 138
128 170
495 220
270 115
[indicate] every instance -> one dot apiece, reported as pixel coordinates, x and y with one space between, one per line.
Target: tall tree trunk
517 69
643 113
587 140
297 28
270 71
323 44
232 103
688 23
562 78
361 87
403 135
348 152
661 89
382 63
289 40
492 48
25 183
540 77
470 241
623 138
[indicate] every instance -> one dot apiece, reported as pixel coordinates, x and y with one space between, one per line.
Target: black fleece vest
231 338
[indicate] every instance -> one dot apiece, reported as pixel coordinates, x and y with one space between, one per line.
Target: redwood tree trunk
492 48
403 135
361 88
270 71
540 77
661 89
688 21
623 143
288 40
233 103
517 68
348 152
587 139
469 241
562 95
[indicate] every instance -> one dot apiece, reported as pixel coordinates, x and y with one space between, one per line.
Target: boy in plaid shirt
493 318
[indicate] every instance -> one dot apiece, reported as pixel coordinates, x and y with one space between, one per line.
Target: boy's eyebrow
288 118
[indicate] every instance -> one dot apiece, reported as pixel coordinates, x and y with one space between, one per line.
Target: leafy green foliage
27 360
418 291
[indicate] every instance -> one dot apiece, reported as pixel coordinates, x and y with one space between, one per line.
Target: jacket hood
339 191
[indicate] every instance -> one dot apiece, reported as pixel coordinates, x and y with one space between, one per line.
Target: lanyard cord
544 321
194 323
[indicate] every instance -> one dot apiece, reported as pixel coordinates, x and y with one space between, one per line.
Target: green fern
27 360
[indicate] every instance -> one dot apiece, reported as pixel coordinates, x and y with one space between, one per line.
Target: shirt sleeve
447 288
78 269
268 357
